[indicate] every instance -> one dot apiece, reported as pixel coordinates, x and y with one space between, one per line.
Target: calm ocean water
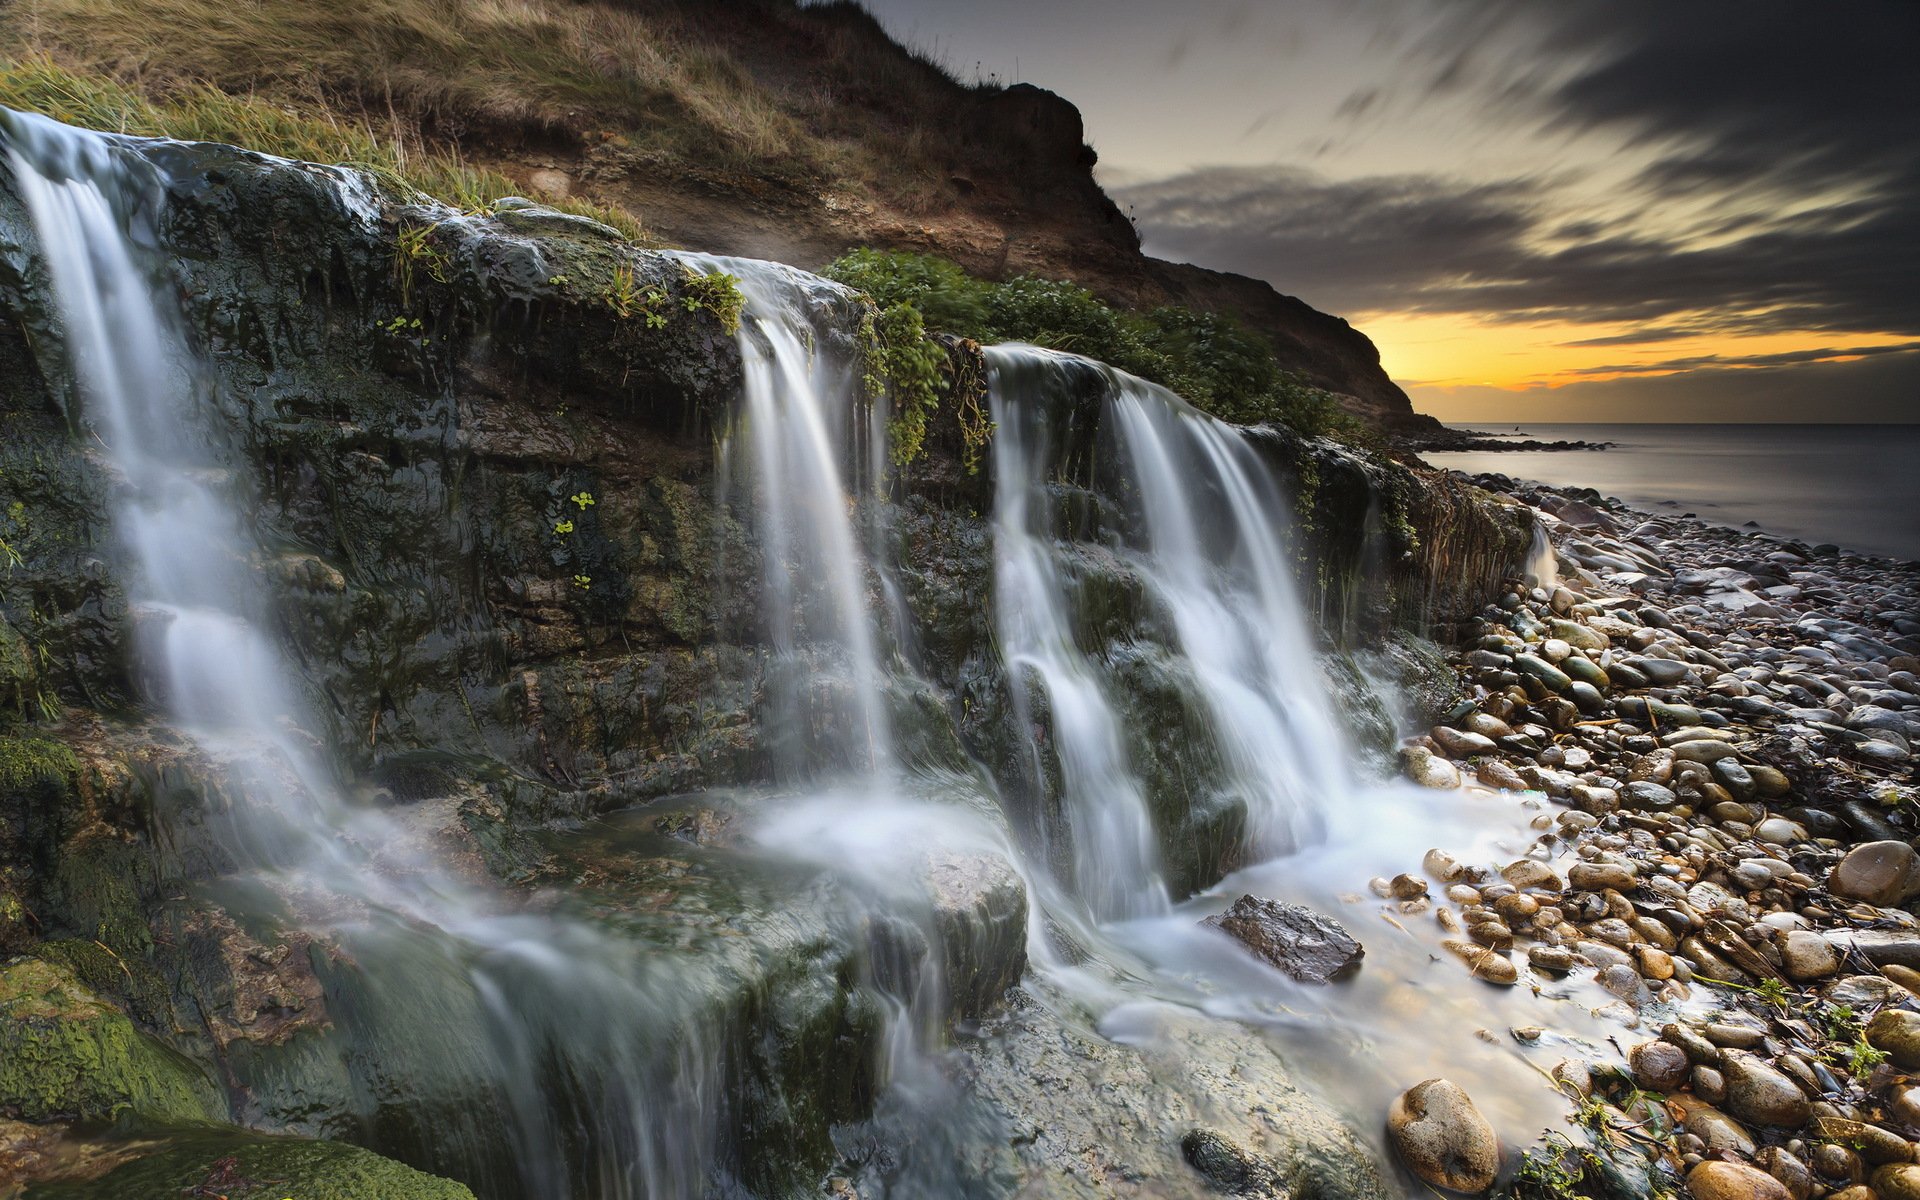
1857 486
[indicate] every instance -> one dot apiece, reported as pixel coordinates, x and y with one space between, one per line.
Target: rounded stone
1659 1066
1896 1031
1806 956
1878 873
1897 1181
1598 876
1442 1137
1762 1095
1734 1181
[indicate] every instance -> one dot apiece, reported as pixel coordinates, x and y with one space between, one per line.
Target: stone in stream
1659 1066
1231 1167
1459 744
1598 876
1297 941
1442 1137
1645 794
1428 769
1550 676
1882 874
1806 956
1897 1181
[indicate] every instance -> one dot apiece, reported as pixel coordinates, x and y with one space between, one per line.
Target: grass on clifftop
750 95
1213 361
202 113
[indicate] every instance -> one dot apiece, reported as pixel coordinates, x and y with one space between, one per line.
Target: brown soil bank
755 127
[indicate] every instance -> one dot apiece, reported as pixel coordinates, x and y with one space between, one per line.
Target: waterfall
1542 569
550 1056
1195 517
810 453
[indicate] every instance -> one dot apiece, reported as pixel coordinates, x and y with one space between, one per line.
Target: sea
1856 486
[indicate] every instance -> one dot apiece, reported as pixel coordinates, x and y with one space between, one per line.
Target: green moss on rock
246 1167
65 1053
32 764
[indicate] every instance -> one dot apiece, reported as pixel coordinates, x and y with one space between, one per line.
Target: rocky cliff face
411 401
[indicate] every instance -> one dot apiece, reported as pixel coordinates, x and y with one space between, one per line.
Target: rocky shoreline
1462 439
1721 725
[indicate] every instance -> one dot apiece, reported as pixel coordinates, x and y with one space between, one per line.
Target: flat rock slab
1306 945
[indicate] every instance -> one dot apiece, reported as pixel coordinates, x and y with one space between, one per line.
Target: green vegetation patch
1211 360
240 1166
64 1053
29 765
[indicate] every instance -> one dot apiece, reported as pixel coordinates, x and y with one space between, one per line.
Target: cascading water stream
544 1055
1203 540
563 1001
1543 565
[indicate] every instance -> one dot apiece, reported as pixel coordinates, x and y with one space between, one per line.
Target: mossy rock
28 765
242 1167
19 678
64 1053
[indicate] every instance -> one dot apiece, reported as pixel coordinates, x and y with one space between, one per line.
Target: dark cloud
1783 358
1347 246
1792 97
1788 135
1430 244
1641 337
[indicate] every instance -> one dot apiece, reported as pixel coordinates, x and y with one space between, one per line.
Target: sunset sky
1584 211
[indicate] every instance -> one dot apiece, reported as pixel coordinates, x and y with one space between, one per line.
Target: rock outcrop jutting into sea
485 694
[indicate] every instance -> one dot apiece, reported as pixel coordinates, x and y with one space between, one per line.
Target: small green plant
718 294
563 528
1773 990
415 252
628 299
559 281
1211 359
976 427
583 582
1590 1111
900 367
1842 1024
1859 1056
1550 1172
583 499
404 329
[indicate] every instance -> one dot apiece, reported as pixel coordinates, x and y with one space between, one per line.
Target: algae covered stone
66 1053
243 1166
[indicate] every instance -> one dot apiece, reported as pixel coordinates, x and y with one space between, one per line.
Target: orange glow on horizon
1449 350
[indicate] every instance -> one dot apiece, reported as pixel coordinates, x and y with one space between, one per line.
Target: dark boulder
1306 945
